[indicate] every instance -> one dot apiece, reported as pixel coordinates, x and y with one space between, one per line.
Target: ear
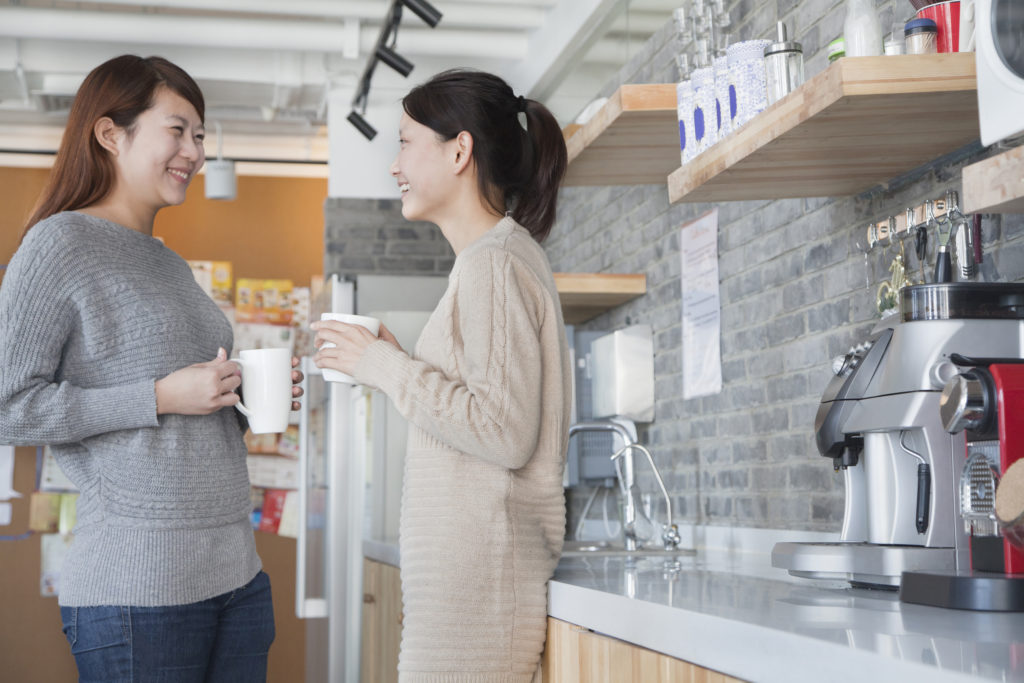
463 151
108 134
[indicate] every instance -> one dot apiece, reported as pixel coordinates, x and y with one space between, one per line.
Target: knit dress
487 393
92 313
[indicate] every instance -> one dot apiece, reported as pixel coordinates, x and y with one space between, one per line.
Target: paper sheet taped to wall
702 313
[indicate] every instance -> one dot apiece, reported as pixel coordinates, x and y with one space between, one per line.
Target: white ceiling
266 66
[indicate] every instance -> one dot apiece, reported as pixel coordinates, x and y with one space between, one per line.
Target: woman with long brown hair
487 388
113 355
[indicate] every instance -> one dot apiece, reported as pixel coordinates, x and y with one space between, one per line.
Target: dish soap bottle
862 30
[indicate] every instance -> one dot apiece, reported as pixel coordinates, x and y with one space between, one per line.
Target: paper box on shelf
263 336
260 443
263 301
288 444
273 506
273 471
215 277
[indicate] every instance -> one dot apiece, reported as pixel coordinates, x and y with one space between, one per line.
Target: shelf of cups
859 123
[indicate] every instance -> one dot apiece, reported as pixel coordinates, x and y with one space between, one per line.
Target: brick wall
796 290
371 236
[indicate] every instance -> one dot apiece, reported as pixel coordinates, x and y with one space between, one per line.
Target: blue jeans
221 640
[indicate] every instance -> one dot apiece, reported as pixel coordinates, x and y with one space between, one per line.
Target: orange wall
274 229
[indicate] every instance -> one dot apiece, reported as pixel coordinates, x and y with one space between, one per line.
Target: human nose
193 150
394 167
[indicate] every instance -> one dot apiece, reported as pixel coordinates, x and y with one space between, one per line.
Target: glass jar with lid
921 36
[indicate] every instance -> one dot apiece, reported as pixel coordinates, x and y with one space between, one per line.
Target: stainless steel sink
606 549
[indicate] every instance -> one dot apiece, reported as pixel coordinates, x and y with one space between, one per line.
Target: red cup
946 16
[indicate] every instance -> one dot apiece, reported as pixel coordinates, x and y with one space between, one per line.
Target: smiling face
159 156
424 171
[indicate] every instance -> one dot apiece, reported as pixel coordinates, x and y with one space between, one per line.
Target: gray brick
749 451
786 328
828 316
787 387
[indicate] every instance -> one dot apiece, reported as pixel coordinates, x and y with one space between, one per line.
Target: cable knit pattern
91 314
487 394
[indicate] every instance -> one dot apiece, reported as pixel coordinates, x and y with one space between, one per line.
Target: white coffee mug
266 389
371 324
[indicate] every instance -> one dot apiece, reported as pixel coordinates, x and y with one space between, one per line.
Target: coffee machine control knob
962 404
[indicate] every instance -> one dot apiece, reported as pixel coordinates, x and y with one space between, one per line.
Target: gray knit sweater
91 314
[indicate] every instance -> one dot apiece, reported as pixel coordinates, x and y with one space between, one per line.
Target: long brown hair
517 170
121 89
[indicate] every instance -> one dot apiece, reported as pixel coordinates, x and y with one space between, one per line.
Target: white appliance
351 454
999 60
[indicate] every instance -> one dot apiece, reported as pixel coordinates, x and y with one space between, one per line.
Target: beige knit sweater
487 395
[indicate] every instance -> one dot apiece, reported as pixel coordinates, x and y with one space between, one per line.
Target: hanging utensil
943 231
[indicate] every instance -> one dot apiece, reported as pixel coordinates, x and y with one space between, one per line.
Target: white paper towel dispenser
623 374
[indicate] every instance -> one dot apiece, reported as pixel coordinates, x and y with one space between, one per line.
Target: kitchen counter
729 610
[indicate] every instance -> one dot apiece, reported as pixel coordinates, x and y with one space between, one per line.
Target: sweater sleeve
37 317
491 409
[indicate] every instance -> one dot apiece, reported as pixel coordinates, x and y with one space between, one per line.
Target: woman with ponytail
487 389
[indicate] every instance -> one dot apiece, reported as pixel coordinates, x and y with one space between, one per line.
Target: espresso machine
879 423
985 401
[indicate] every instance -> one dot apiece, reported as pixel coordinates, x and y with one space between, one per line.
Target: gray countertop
730 611
734 613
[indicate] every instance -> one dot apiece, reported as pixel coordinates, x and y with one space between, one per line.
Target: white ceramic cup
371 324
266 389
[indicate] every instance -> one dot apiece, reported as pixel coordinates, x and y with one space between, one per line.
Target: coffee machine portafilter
879 424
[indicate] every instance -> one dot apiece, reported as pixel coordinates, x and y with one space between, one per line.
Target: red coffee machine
987 402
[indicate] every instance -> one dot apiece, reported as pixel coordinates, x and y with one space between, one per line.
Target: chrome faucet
669 531
623 459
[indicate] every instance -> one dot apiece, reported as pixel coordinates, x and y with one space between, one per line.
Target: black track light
362 125
424 10
394 60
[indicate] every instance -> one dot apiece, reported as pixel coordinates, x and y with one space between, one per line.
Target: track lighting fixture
424 10
385 52
394 60
362 125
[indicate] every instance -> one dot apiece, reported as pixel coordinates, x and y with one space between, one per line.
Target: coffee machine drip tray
960 300
979 591
868 565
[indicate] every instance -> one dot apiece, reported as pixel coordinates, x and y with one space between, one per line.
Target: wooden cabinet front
577 655
382 622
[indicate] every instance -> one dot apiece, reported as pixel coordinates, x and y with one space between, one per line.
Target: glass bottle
862 29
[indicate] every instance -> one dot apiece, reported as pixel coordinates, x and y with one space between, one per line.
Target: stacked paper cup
726 111
747 78
684 110
705 120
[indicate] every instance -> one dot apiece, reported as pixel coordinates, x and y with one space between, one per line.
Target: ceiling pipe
265 34
514 16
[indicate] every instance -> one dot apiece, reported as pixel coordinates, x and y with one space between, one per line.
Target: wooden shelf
632 140
996 184
859 123
586 295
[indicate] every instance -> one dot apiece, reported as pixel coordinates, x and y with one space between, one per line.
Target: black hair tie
522 105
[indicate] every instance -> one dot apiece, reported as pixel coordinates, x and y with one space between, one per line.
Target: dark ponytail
518 170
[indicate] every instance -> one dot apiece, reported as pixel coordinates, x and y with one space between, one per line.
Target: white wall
357 167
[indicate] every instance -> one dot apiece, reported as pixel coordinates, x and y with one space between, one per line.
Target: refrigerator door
311 573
